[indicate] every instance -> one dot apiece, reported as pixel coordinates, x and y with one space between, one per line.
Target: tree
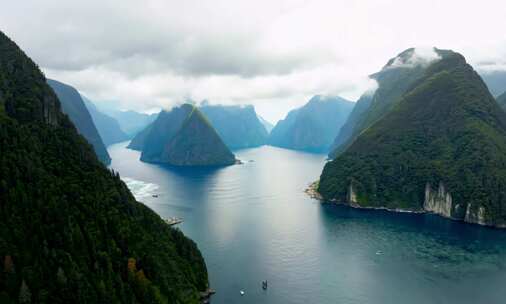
25 296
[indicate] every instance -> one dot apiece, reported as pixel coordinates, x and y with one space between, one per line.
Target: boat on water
264 285
173 221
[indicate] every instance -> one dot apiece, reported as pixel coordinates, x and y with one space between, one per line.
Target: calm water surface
253 222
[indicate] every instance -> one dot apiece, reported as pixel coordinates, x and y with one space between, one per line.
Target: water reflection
253 222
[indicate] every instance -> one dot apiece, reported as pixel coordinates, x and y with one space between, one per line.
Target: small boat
173 221
242 292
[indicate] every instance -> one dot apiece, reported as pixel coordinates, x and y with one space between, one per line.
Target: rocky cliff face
438 201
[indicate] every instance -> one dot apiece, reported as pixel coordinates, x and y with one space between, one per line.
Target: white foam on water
139 188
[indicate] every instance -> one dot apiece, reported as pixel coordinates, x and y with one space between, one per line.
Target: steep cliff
238 126
184 137
394 79
441 148
72 104
312 127
107 127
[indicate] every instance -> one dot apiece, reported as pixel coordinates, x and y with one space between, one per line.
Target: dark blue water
253 222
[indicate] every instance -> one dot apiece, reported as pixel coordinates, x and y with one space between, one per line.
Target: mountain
137 143
312 127
71 230
394 79
72 104
107 127
238 126
132 122
441 149
267 125
495 80
501 100
184 137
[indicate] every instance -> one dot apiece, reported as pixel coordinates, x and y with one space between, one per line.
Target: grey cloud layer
275 54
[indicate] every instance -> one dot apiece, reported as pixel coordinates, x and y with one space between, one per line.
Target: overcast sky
148 54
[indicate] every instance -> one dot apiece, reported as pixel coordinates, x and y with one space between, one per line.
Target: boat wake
140 189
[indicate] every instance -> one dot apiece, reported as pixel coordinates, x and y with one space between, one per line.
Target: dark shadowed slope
312 127
184 137
442 149
71 231
107 127
73 105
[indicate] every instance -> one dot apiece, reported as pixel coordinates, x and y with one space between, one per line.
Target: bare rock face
438 201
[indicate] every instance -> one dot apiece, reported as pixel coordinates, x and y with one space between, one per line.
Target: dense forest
446 130
394 79
71 231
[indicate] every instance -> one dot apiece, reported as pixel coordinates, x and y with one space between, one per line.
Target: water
253 222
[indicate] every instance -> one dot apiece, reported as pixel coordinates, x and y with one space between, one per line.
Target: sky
152 54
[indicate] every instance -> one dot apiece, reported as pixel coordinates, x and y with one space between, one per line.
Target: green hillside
442 148
71 230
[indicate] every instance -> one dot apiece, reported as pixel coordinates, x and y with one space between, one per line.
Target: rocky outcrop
438 201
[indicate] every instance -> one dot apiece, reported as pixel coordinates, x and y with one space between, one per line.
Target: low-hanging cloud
273 54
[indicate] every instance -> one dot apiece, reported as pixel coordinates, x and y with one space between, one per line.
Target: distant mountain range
495 80
430 139
312 127
131 122
184 137
267 125
238 126
73 106
108 127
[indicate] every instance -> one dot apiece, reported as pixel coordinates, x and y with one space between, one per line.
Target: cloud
152 54
421 56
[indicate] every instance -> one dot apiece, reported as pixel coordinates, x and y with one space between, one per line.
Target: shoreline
313 193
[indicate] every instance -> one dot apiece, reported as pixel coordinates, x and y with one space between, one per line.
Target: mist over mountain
267 125
394 79
73 105
108 127
314 126
441 147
